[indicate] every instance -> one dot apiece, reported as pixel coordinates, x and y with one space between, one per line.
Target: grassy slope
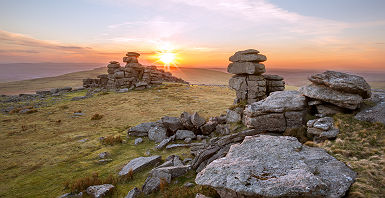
38 154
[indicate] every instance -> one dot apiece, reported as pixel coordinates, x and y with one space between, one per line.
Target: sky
327 34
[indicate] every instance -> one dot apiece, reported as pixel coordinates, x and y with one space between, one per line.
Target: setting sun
167 58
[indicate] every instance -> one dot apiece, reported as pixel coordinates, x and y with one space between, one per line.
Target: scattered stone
102 161
135 192
185 119
138 141
83 140
163 143
198 195
103 155
197 120
187 140
209 127
157 133
322 129
234 115
223 129
189 184
276 166
187 160
99 191
124 90
183 134
140 163
72 195
141 129
172 123
172 146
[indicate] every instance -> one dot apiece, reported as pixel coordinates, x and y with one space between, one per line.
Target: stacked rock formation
248 82
332 92
133 75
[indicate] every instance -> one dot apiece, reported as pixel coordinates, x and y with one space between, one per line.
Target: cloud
15 39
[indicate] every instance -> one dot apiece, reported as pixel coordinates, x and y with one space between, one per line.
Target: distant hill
218 76
23 71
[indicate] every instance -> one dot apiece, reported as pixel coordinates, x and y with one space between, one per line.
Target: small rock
163 143
103 155
157 134
99 191
138 141
135 192
102 161
72 195
187 140
187 160
183 134
197 120
172 146
83 140
140 163
188 185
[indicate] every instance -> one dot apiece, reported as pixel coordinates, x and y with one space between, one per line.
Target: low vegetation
361 145
41 151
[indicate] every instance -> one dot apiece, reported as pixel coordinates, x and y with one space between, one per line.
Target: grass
361 145
41 151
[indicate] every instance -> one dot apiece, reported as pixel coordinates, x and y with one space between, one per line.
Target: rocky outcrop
139 163
322 129
343 82
280 111
337 88
248 82
276 166
99 190
133 75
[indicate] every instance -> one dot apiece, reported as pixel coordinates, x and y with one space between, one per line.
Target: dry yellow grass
39 154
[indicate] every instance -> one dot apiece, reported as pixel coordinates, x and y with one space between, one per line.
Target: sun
167 58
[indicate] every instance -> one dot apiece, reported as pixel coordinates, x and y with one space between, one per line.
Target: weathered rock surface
99 191
157 133
280 111
376 111
322 129
183 134
250 55
343 82
135 192
276 166
234 115
341 99
172 123
140 163
246 68
141 129
164 174
197 120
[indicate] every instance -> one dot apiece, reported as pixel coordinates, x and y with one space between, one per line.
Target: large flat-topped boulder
280 111
246 68
276 166
343 82
250 55
327 94
139 163
277 102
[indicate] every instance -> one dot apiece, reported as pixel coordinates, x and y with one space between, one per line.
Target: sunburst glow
167 58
